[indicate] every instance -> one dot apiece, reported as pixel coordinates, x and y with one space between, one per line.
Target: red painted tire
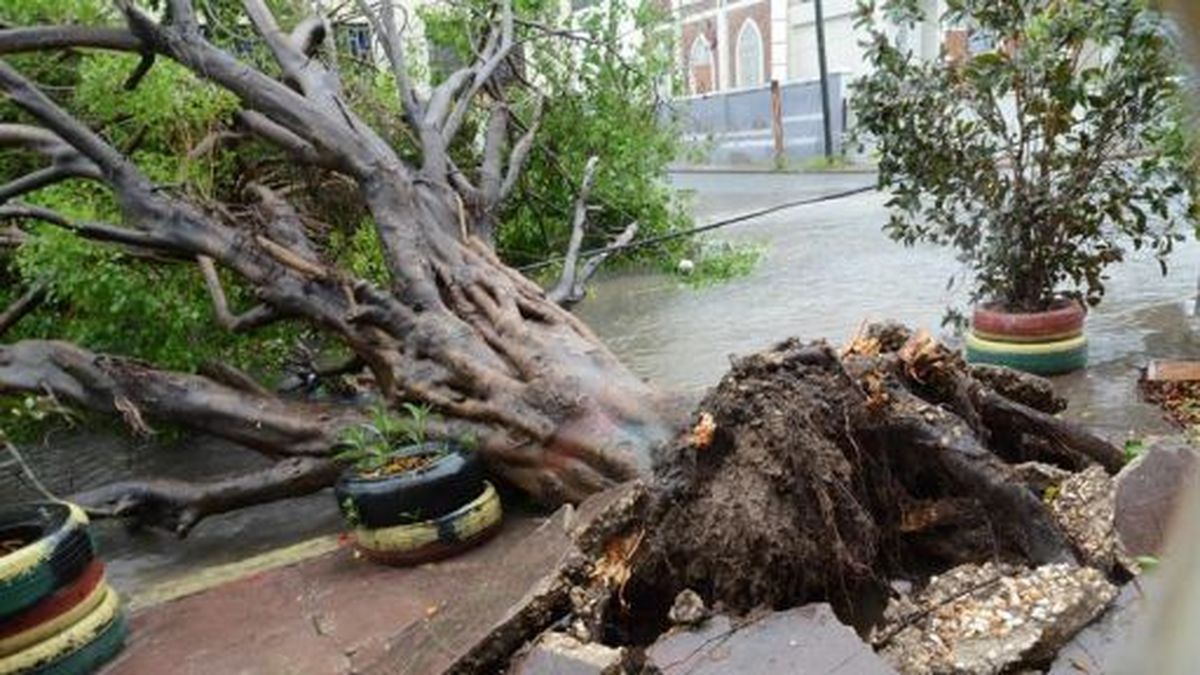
1061 322
54 613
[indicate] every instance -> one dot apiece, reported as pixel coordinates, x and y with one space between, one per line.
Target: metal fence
734 127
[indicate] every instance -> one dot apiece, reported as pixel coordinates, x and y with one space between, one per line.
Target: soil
8 546
765 503
403 464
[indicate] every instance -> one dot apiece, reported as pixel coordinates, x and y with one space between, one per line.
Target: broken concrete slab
1096 650
1148 491
984 619
533 584
462 638
1083 505
807 639
561 654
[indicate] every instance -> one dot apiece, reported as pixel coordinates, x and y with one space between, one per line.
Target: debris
983 619
688 609
774 642
1083 506
1147 492
1097 648
560 654
702 433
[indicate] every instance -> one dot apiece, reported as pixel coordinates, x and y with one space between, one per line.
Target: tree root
814 476
177 506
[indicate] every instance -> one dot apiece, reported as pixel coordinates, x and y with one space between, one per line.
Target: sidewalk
336 613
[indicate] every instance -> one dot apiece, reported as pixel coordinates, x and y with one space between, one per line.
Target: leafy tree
1041 160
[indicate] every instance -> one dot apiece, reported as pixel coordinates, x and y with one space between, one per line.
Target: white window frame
740 70
692 63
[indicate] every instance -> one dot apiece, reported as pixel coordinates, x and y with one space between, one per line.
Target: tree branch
115 385
502 38
45 38
520 152
93 231
23 306
566 282
177 506
256 317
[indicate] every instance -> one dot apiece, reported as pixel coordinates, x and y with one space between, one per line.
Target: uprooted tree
556 414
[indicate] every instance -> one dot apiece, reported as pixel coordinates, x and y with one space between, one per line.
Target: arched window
750 55
700 66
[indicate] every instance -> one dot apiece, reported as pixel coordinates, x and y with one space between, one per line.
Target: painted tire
78 650
1045 358
1062 322
55 613
434 490
60 551
454 532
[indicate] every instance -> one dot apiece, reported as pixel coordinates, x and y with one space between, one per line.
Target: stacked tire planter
58 616
432 512
1043 343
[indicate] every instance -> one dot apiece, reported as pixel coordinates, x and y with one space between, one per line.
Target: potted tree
1041 154
409 499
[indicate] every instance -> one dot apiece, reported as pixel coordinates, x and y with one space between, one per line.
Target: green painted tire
60 550
77 650
1039 358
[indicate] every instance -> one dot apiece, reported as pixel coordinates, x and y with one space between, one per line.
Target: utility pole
825 117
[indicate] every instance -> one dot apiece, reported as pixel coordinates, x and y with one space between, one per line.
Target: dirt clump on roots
816 475
775 507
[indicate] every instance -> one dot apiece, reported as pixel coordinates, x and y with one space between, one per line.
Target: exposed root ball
774 507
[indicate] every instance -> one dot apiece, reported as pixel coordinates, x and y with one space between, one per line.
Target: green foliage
1042 160
715 261
371 446
1134 447
603 99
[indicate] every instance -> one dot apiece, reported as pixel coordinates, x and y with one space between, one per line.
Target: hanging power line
703 228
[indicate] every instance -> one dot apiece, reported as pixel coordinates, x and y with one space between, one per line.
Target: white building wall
842 52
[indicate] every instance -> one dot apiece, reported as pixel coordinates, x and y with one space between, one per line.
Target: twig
29 474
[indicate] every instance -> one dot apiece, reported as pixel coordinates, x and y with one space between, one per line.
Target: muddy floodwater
828 268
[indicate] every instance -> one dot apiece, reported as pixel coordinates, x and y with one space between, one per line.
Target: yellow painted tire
1041 358
77 644
59 548
434 539
56 613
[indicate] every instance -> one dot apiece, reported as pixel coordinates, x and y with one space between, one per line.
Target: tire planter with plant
451 477
1044 343
59 616
407 500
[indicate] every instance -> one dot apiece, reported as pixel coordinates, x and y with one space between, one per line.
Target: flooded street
827 269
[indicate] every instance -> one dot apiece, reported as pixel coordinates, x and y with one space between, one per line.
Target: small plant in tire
397 475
